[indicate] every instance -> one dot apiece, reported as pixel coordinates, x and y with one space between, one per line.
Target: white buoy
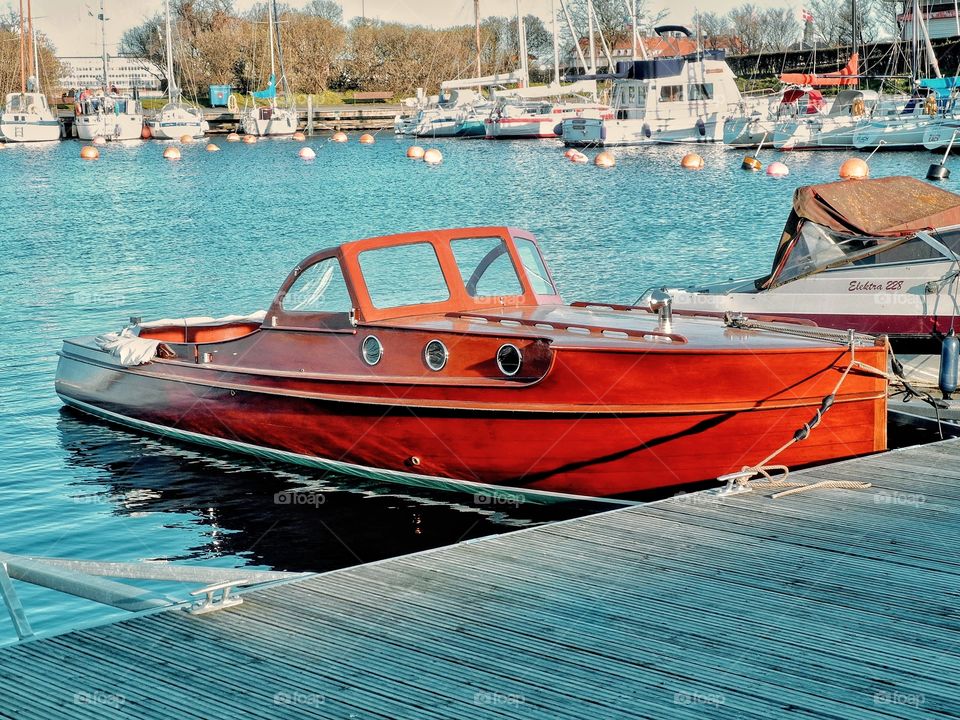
307 153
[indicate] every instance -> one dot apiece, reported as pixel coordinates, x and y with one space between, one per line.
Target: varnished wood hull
666 419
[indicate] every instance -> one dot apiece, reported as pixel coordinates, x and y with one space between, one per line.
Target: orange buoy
751 163
433 157
415 152
186 139
146 133
570 153
307 153
604 159
233 137
99 140
88 152
172 153
339 137
366 139
777 169
250 139
692 161
299 136
854 169
579 158
211 147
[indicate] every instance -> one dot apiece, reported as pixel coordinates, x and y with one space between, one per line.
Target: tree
325 9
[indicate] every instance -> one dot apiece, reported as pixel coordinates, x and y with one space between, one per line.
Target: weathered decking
828 604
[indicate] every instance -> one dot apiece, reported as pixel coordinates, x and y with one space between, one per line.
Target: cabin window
534 268
485 267
701 91
319 289
403 275
671 93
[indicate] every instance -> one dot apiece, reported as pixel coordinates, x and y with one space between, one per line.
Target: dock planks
828 604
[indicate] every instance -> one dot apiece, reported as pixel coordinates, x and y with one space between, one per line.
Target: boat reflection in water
267 514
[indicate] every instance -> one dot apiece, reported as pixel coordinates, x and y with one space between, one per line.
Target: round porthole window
372 350
509 359
435 355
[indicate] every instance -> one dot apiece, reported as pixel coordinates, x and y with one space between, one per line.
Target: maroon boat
448 358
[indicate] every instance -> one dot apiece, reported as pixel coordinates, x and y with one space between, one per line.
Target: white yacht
176 120
757 117
850 111
27 116
110 116
456 112
679 99
538 112
271 120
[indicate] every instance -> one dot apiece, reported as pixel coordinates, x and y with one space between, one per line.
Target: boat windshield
816 248
401 275
26 102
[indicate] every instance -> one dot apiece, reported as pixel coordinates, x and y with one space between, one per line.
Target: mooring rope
743 481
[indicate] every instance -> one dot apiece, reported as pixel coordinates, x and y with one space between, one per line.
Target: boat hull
607 132
109 127
537 439
20 128
281 123
175 130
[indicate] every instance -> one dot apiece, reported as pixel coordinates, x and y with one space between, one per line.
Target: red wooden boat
448 357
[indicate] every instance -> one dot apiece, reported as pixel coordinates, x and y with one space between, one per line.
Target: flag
806 16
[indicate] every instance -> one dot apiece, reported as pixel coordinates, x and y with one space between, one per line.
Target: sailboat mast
23 63
270 9
103 44
522 48
476 28
633 28
556 43
593 49
33 71
36 59
172 90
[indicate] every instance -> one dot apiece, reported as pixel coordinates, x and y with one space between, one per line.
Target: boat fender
603 131
938 171
558 129
646 131
949 356
701 128
77 109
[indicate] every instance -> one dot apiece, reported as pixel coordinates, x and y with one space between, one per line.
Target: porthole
435 355
372 350
509 359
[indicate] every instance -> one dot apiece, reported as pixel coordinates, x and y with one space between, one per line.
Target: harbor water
86 245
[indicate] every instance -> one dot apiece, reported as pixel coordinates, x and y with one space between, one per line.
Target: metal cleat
210 603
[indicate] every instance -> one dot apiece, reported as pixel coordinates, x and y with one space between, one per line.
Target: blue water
87 244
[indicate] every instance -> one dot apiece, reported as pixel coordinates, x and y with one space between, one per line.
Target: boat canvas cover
894 207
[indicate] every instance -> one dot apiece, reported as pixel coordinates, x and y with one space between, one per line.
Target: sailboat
271 120
176 120
538 112
110 115
26 115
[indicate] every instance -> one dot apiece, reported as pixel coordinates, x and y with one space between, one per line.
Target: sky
73 29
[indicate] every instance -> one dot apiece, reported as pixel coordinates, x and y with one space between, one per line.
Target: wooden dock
825 604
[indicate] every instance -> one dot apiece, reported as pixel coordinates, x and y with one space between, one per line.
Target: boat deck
829 604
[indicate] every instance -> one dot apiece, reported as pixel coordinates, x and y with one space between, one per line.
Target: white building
124 71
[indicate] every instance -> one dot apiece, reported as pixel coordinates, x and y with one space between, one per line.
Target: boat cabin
854 103
26 103
866 223
384 278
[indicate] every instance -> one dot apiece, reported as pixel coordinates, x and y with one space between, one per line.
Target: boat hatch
403 275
